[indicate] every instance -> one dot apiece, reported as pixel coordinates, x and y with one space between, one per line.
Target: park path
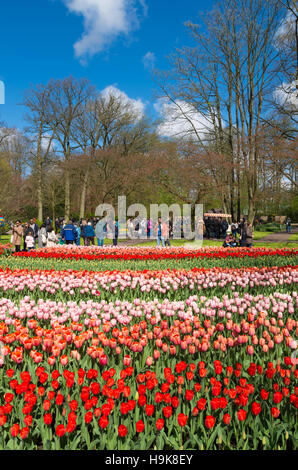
279 237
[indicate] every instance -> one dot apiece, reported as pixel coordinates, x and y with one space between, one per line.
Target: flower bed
194 405
6 249
149 253
196 325
165 359
146 284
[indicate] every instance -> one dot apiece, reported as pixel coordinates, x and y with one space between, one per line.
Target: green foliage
293 209
4 229
271 227
39 222
139 265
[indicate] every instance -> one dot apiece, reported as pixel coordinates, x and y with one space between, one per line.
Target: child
29 240
230 241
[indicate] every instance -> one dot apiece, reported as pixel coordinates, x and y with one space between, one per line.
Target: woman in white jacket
42 236
52 239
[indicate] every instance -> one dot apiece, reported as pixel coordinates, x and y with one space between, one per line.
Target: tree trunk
39 197
67 195
84 192
251 205
53 206
39 178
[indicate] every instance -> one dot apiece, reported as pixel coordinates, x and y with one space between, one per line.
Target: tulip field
149 348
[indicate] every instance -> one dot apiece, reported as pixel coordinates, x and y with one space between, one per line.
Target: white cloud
104 21
45 141
149 60
137 106
286 95
181 120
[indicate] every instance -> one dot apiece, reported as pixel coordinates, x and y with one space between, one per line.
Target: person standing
42 236
34 227
56 225
159 232
17 233
136 230
143 228
101 231
83 226
89 233
52 239
288 225
166 233
115 233
201 229
69 233
171 227
217 227
224 228
48 222
25 233
149 228
29 240
78 229
130 228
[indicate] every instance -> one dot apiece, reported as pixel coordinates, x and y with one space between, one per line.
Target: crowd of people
29 236
234 234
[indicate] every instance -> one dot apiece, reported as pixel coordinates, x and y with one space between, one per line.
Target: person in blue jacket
89 233
78 238
69 233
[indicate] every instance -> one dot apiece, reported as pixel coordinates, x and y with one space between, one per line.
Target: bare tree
108 125
65 104
225 78
14 157
43 134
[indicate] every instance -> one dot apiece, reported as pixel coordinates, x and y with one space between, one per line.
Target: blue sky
42 39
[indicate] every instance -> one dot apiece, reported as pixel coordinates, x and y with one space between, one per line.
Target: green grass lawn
294 237
259 235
